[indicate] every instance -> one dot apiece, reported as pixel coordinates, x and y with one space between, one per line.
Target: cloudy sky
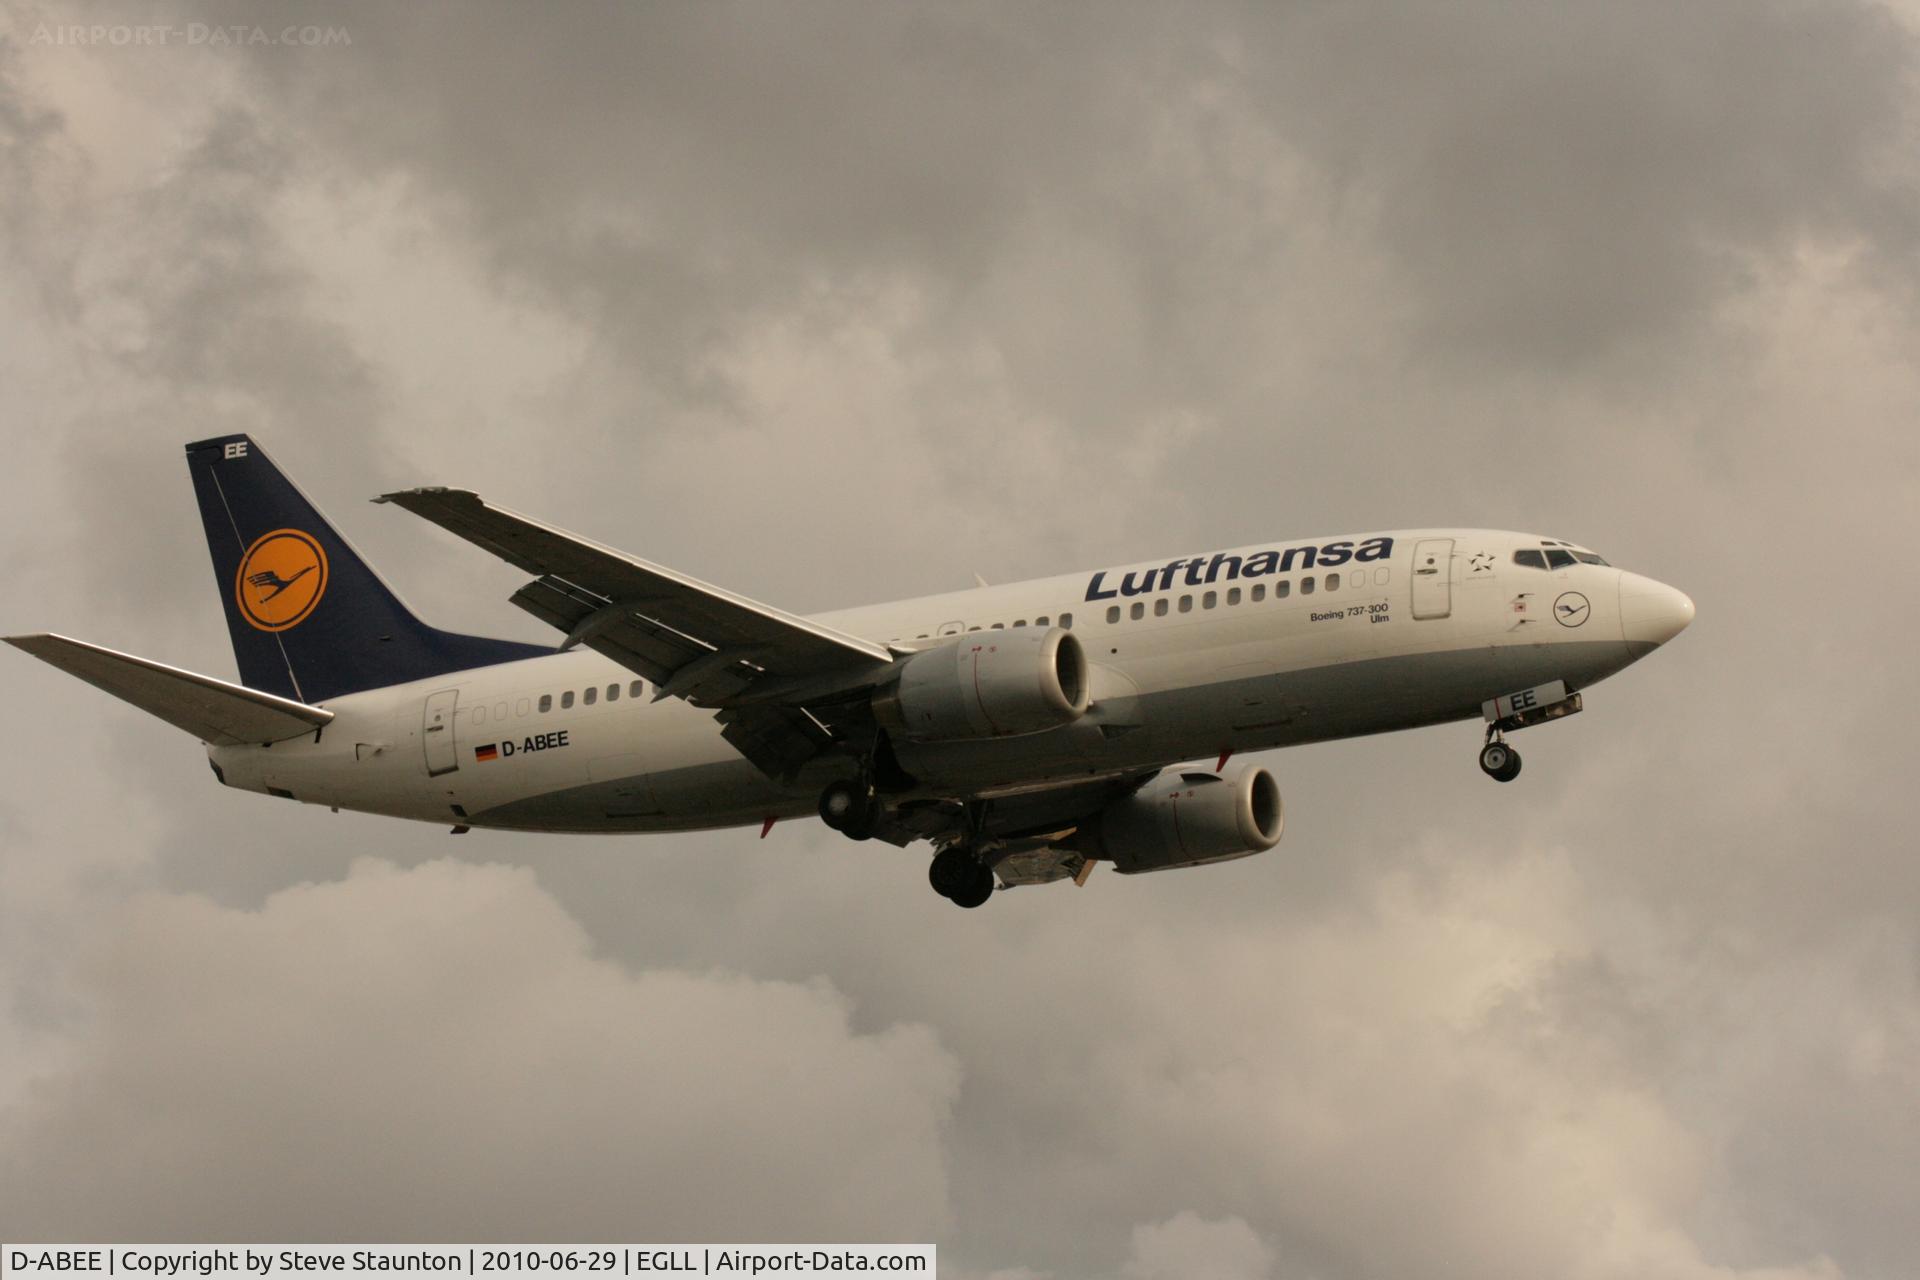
836 303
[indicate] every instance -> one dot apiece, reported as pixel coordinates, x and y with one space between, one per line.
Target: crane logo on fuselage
1202 569
282 577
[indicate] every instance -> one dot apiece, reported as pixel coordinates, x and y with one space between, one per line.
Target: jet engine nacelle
987 684
1187 817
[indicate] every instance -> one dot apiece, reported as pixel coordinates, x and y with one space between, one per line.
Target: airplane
1027 731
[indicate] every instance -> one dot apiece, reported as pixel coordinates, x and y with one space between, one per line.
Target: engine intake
987 684
1187 817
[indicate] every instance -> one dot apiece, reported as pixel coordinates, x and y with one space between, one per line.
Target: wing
212 710
760 667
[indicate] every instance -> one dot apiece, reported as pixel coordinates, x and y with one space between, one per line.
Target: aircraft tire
848 809
1496 758
977 890
1512 770
951 872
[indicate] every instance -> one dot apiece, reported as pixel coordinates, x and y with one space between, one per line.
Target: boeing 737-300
1026 731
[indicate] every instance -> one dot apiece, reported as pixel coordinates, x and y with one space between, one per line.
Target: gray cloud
430 1054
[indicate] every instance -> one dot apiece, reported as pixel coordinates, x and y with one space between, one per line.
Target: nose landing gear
1498 760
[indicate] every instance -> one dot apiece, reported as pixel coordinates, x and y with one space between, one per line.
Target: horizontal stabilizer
214 711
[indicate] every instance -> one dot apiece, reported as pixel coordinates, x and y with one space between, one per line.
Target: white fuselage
1443 621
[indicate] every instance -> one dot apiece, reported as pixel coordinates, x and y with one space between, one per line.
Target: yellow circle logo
282 576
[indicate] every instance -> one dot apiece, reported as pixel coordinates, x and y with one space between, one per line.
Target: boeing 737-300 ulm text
1026 731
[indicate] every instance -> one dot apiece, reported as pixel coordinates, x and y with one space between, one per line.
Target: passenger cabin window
1233 595
1306 585
1186 604
613 693
1283 588
1041 621
1019 622
1531 559
1209 600
546 702
1333 582
1066 621
998 626
1557 559
521 708
1113 613
1138 611
590 697
1259 592
1160 607
635 688
566 700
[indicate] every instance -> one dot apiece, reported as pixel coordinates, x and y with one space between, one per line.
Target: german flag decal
489 752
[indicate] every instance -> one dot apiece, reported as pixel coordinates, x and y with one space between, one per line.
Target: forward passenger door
1432 578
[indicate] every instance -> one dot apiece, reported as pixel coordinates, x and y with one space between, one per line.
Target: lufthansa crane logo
1571 609
282 577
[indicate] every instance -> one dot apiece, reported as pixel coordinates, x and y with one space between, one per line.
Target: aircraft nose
1651 613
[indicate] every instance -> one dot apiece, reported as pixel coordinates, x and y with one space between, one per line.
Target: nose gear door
1432 578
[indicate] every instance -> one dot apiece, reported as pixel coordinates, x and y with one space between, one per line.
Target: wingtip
400 496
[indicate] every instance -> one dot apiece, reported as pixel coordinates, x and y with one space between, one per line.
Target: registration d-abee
1027 732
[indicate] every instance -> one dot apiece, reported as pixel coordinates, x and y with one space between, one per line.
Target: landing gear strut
851 808
1498 760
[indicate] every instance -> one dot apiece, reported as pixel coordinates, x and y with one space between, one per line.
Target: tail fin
310 619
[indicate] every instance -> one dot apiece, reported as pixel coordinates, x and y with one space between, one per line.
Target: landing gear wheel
959 877
1500 762
977 890
849 809
950 871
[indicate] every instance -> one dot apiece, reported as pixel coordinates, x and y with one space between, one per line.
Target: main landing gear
1498 760
851 808
957 875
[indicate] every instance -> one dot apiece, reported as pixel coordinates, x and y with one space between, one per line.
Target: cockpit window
1587 557
1558 559
1531 559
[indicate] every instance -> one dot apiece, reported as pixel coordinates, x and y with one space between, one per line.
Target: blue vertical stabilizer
310 619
